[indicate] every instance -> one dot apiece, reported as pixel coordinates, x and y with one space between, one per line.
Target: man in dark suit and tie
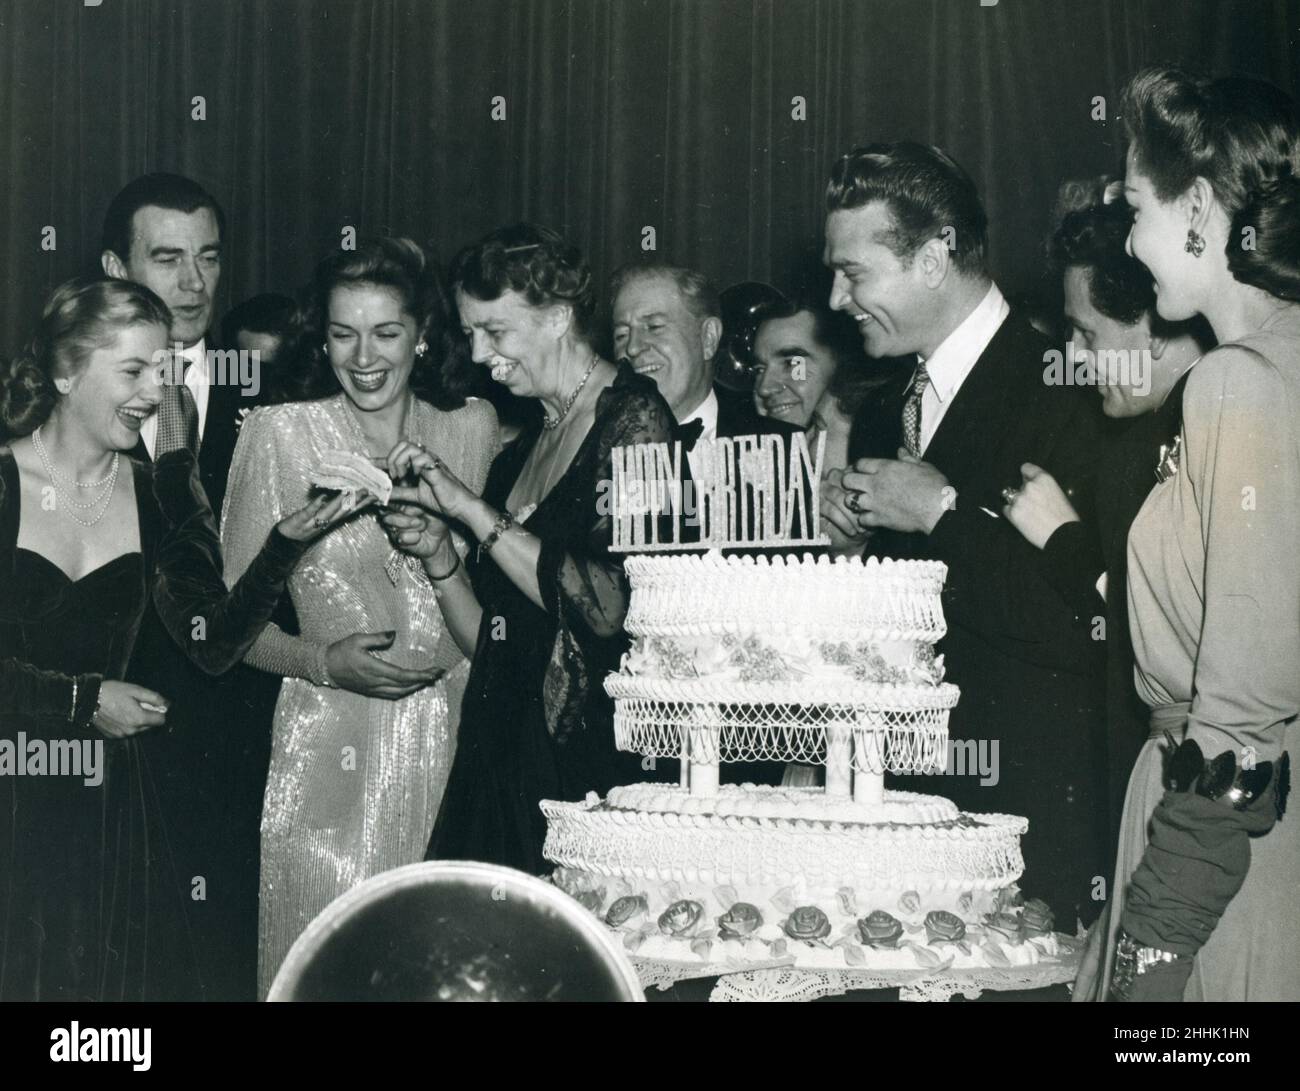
931 457
166 232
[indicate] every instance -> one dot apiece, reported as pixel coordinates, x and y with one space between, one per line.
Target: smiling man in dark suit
165 231
931 455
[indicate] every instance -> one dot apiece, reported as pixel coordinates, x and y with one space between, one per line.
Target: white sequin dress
355 782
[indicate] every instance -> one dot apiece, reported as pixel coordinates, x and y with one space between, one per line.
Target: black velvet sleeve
1073 564
998 583
214 626
40 694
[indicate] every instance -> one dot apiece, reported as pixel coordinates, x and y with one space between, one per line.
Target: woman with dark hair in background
365 724
91 902
1213 177
543 601
1141 364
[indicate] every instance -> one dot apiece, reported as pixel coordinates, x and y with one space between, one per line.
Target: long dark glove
214 626
1196 861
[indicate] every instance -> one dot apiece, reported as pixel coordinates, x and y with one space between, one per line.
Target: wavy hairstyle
443 377
82 316
534 261
926 191
1243 137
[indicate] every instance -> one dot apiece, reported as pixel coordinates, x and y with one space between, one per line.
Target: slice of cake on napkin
343 471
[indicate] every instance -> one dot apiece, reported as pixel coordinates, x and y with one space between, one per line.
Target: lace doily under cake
784 983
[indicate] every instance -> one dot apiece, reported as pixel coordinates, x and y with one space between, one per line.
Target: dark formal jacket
210 761
1030 673
1077 554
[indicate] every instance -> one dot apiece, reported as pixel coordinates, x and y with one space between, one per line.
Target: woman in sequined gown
365 724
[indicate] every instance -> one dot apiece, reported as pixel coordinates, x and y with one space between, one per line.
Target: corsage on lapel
1170 453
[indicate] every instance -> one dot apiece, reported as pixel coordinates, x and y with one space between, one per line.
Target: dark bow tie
689 432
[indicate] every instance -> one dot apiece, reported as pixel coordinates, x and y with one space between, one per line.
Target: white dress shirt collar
957 353
955 358
707 412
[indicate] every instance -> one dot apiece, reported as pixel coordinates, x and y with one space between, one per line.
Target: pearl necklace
549 422
57 479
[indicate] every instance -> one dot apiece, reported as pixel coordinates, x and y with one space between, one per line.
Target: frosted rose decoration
680 918
624 909
807 923
944 927
910 902
1008 927
739 921
880 929
1009 897
590 899
1038 918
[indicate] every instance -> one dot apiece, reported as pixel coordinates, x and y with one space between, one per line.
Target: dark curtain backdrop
620 115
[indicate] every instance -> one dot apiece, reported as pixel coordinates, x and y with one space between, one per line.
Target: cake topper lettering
750 492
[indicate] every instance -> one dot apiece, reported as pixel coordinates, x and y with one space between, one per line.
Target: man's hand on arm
903 494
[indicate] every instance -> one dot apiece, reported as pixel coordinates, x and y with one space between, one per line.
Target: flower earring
1195 244
421 348
63 386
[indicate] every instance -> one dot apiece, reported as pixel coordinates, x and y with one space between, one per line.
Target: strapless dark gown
92 904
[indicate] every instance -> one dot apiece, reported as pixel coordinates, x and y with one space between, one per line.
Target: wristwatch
1132 960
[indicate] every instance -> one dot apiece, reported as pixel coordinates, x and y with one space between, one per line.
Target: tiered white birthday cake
789 658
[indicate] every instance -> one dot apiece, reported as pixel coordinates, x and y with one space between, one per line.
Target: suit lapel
971 420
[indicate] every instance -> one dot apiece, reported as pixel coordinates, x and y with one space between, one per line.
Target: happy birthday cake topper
748 492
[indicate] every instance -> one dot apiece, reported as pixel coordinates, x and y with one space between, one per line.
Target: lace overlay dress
536 723
355 782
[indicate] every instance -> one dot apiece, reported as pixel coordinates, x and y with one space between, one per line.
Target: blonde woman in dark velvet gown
93 905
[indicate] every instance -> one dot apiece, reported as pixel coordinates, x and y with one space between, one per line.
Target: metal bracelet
504 522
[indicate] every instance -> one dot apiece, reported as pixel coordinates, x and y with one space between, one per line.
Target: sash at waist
1171 718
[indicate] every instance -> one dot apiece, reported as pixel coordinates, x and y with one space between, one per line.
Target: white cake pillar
704 748
869 752
839 760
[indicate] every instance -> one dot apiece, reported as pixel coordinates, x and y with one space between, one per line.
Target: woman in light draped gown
365 724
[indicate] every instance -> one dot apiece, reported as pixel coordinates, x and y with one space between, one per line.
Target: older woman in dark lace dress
542 604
